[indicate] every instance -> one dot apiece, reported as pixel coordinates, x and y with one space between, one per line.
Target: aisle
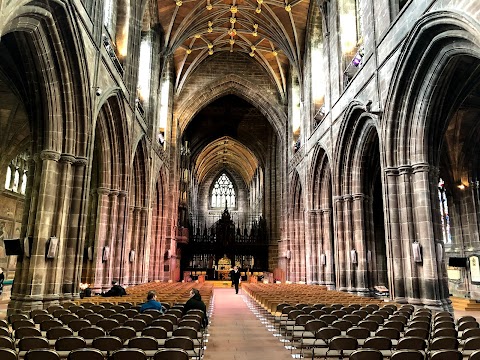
236 334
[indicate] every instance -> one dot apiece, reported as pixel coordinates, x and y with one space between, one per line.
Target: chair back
26 331
155 331
77 324
123 332
444 343
41 354
412 343
91 332
107 324
446 355
137 324
32 342
366 354
162 322
39 318
48 324
7 342
107 343
22 323
8 354
171 354
94 318
378 342
472 343
128 354
86 353
407 354
58 332
391 333
143 342
358 332
69 343
180 342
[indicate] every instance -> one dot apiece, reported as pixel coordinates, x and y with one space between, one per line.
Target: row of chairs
95 354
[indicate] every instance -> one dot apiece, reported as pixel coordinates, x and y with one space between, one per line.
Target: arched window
108 10
442 197
8 178
223 193
144 69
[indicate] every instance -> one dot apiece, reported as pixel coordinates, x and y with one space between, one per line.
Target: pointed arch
233 84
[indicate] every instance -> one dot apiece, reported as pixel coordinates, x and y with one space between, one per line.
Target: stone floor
237 334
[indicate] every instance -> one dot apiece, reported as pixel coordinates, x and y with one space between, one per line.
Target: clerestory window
445 217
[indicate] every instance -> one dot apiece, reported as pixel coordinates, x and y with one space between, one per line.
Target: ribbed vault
226 153
272 32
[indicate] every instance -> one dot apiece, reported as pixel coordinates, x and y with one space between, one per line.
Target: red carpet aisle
236 334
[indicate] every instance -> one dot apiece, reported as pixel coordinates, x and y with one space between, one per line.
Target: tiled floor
237 334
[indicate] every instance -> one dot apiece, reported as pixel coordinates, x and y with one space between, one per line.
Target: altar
224 268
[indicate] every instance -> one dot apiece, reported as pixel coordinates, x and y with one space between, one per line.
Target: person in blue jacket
152 302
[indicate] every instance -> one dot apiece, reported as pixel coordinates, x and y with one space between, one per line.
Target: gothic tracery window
444 214
223 193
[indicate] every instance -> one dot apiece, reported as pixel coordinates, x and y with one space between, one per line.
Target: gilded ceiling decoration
271 32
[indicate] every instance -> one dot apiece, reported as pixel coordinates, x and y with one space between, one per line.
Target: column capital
420 167
391 171
67 158
81 161
347 197
359 196
114 193
103 191
50 155
404 169
122 193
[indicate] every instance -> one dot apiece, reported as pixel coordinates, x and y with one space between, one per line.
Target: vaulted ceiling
272 32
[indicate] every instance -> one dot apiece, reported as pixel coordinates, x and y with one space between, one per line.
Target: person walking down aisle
236 278
152 302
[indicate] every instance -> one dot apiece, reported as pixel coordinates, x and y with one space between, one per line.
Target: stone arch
358 143
108 194
419 78
46 33
113 143
437 70
320 231
43 55
232 84
137 240
158 231
296 224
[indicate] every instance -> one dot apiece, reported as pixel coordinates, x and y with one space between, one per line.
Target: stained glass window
223 192
445 217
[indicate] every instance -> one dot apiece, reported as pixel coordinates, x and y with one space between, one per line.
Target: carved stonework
50 155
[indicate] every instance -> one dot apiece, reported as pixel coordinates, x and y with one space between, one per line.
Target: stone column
77 227
59 264
340 255
115 254
135 244
101 240
429 286
395 257
359 241
142 228
328 250
121 231
348 229
309 247
32 272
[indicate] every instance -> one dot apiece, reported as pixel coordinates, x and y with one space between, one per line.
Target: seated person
116 290
152 302
195 302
